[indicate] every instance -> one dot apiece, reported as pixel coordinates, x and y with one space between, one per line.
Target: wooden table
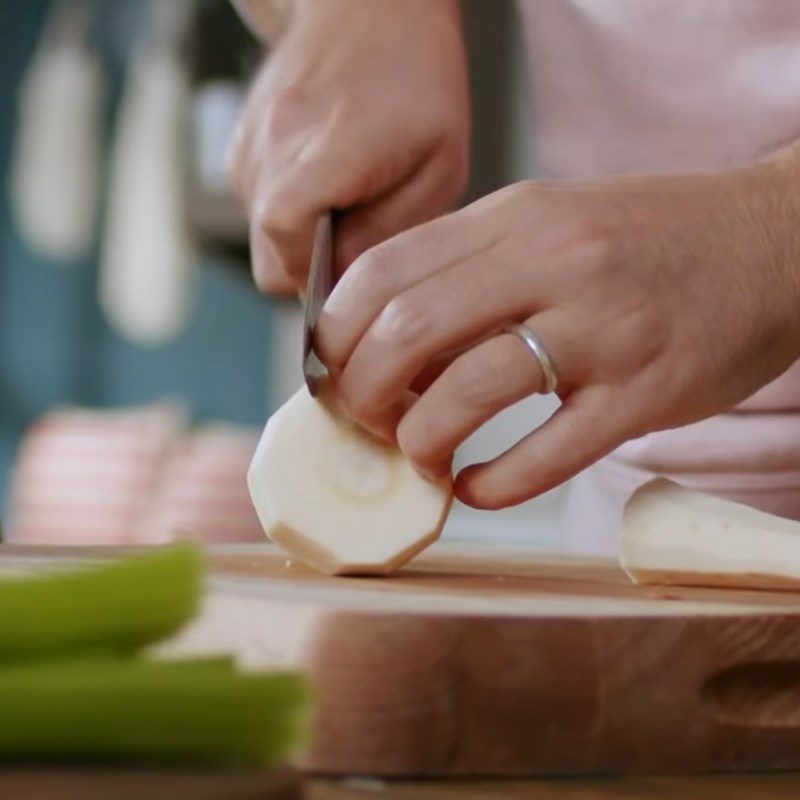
272 590
72 784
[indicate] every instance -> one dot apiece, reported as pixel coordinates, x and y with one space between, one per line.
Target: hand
662 300
363 107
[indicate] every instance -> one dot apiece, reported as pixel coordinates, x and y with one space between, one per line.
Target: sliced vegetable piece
110 709
118 606
672 535
337 499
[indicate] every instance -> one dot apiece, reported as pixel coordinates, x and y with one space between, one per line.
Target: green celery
110 709
117 607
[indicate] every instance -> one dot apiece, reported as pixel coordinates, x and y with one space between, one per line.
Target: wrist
772 188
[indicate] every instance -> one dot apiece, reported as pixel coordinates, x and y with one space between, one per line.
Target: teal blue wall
55 348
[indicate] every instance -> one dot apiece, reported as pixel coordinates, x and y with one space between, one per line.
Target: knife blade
320 284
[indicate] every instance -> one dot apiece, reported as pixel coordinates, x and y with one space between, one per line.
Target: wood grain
711 787
106 783
491 661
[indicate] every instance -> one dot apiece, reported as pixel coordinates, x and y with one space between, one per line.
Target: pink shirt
664 85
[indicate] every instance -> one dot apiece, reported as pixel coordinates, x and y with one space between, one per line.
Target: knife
320 284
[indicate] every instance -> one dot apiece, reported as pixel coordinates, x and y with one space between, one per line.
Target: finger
266 265
426 377
323 174
478 385
384 424
286 209
386 271
589 425
243 156
451 309
282 223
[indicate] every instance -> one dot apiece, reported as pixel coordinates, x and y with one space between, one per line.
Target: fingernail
436 474
462 490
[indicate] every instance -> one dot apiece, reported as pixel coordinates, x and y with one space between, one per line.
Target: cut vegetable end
675 536
338 500
132 710
323 560
120 606
718 580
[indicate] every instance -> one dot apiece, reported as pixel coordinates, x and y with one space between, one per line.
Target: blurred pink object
133 476
202 492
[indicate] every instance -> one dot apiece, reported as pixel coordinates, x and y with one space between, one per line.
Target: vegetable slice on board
337 499
672 535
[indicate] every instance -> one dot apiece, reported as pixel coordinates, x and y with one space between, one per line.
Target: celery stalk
115 607
109 709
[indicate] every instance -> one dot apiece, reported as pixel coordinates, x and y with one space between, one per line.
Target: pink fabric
660 85
131 476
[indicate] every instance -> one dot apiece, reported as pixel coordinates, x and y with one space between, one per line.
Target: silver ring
534 344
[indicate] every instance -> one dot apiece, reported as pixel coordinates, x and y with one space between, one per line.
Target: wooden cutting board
502 661
128 783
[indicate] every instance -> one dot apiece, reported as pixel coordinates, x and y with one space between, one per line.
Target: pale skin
662 299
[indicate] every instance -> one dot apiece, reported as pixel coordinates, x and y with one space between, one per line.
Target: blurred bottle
57 164
146 280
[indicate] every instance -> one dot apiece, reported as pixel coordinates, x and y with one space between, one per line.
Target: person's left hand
662 300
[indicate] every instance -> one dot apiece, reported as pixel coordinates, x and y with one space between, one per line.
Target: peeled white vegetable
672 535
337 499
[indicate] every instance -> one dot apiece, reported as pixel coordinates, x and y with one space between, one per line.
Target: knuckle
404 321
370 275
411 444
269 274
475 377
597 243
587 248
276 210
271 281
358 404
415 438
268 211
284 112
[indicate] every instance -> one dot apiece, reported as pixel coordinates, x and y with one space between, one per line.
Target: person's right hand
363 107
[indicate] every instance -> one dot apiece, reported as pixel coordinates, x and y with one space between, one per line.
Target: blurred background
137 362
